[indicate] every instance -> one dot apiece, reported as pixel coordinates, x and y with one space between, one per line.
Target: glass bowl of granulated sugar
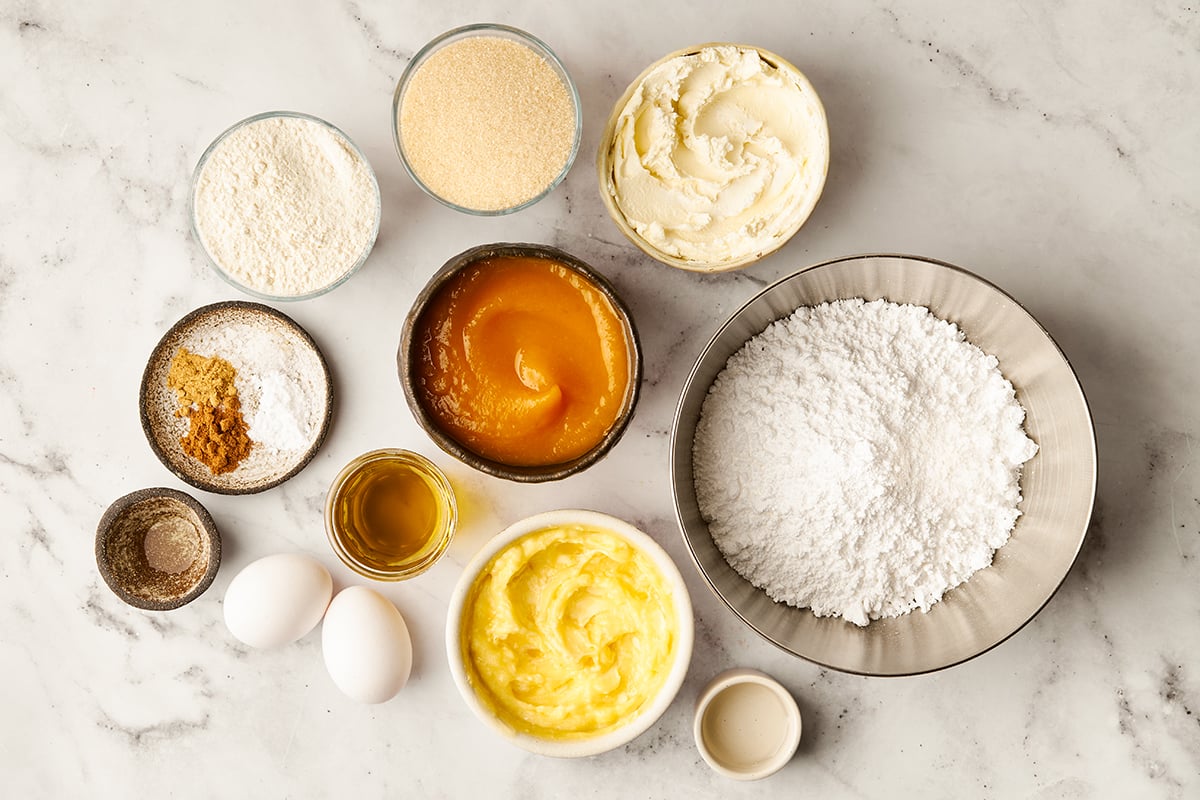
486 119
883 465
285 206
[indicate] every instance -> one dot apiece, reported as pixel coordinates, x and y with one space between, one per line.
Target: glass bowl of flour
884 465
285 206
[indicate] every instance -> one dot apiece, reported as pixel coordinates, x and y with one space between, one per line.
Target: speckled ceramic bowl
157 549
281 375
408 357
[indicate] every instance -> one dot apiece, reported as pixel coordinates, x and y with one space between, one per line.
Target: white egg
366 644
278 599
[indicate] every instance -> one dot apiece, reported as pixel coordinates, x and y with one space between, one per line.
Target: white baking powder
860 459
285 206
282 417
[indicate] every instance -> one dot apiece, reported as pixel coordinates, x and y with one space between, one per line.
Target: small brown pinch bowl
408 357
208 331
157 549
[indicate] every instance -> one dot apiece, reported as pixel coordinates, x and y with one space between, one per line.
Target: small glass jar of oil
390 514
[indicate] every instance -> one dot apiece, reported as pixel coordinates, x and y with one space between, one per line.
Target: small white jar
747 725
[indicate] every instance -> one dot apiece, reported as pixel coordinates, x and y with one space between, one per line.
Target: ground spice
217 436
172 544
217 432
200 381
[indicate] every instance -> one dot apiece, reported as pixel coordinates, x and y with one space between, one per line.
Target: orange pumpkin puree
523 361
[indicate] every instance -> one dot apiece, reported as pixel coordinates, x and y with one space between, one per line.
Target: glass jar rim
444 494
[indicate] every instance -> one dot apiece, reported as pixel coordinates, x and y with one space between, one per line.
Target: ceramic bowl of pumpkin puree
521 361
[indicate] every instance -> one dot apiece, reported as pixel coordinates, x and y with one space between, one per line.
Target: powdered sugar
285 205
860 459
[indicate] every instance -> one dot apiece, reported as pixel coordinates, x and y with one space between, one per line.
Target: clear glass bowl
351 268
439 539
467 32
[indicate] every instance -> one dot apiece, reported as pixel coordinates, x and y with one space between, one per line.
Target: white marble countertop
1051 148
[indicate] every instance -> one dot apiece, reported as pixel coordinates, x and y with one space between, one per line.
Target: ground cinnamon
217 436
217 432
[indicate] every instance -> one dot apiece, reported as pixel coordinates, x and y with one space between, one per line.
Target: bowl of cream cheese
570 633
714 157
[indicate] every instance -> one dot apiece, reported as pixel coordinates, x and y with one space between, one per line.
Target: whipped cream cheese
718 156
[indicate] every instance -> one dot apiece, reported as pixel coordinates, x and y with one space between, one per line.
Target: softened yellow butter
568 633
719 155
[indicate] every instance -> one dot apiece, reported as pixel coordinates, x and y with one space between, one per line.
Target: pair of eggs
365 642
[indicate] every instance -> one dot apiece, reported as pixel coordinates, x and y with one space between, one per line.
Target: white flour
285 206
860 459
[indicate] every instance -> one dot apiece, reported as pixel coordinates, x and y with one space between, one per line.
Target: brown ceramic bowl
262 344
157 549
407 357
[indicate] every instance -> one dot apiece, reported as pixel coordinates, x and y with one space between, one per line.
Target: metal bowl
1058 484
408 357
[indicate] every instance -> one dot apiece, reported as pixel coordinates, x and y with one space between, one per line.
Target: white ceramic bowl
747 724
648 715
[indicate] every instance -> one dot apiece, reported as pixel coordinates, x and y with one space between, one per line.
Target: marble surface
1050 147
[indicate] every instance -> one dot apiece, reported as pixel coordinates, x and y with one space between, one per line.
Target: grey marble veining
1049 147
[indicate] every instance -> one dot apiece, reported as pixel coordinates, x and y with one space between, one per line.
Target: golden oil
390 514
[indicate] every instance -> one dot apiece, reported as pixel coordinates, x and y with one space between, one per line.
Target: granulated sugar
286 206
486 123
860 459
